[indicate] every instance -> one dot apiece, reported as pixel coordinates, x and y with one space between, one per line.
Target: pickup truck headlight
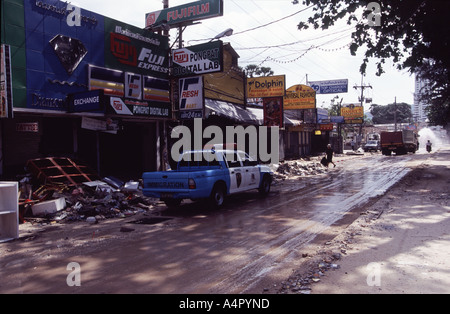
192 185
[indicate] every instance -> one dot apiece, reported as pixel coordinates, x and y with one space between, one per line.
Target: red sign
273 111
326 127
122 49
32 127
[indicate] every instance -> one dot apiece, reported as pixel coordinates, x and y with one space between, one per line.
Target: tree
265 71
254 70
436 92
386 114
251 70
412 33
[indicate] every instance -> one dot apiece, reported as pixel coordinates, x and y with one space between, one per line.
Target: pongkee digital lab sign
197 60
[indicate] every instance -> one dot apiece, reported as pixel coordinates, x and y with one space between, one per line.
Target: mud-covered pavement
252 245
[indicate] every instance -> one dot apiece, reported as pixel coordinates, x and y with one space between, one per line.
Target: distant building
418 108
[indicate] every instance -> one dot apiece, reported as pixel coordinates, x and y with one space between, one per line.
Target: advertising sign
112 82
6 87
191 97
185 13
266 86
132 49
273 111
91 101
62 40
133 85
300 97
132 94
199 59
352 113
330 87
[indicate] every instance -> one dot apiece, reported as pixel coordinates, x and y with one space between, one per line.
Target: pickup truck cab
208 174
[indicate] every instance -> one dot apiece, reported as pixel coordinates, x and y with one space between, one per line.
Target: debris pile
302 283
298 168
67 200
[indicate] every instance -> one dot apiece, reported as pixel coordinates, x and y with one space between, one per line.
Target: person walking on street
329 152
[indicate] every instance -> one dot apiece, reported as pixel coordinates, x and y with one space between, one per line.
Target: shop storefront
81 85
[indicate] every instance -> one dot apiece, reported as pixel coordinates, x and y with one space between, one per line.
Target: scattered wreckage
59 189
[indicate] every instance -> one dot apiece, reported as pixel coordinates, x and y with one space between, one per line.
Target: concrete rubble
298 168
90 201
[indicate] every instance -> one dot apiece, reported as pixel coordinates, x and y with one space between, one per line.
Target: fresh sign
191 97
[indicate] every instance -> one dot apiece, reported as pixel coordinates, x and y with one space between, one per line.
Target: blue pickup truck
208 174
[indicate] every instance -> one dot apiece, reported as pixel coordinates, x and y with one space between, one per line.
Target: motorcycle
429 148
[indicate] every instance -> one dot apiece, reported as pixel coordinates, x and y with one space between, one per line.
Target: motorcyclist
428 146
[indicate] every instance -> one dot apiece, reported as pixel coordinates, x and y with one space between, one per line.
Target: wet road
250 242
248 245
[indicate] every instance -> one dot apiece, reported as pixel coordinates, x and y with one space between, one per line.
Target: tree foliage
436 92
409 31
386 114
254 70
413 33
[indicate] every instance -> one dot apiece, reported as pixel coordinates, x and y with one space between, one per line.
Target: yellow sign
266 86
352 111
300 97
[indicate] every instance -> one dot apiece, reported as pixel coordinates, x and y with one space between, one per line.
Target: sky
313 55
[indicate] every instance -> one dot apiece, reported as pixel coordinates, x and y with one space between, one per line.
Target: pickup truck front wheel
217 197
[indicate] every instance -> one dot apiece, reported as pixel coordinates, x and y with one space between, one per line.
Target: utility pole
395 114
166 6
362 87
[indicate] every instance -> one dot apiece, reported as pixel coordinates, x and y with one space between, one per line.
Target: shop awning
249 115
233 111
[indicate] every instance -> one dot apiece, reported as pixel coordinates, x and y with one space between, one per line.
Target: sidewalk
402 243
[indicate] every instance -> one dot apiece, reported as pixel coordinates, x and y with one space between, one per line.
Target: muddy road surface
248 246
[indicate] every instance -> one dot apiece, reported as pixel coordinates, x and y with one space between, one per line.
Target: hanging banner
273 111
300 97
199 59
266 86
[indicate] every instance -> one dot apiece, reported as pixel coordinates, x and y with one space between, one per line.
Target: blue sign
91 101
337 119
330 87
